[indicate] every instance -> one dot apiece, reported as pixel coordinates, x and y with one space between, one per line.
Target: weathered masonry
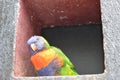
21 19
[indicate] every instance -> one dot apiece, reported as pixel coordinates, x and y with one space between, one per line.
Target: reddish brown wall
64 12
25 29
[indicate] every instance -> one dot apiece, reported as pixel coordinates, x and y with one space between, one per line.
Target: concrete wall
8 19
111 30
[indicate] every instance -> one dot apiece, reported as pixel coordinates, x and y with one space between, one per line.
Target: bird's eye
37 39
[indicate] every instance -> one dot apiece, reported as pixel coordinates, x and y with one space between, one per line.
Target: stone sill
81 77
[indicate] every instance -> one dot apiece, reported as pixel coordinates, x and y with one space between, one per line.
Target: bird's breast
43 58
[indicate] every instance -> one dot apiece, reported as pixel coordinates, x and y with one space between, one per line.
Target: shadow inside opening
83 44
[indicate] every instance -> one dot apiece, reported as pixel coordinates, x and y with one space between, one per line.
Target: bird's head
37 43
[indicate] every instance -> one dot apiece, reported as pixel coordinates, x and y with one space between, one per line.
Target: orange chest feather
43 58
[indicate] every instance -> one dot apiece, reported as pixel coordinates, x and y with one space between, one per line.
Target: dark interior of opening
61 22
81 43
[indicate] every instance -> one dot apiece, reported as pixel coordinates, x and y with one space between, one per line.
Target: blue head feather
38 41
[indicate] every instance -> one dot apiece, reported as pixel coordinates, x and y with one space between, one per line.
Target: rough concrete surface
8 14
111 22
111 30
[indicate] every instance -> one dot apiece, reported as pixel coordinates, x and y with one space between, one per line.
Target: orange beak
34 47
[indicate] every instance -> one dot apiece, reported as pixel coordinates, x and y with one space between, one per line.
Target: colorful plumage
49 60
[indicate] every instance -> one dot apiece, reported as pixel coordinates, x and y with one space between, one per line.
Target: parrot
48 60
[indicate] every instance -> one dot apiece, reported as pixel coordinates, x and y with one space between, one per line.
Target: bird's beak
34 47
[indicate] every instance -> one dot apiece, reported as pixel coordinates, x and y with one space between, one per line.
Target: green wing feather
60 53
68 68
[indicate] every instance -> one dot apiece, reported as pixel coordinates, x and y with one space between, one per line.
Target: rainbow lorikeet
49 60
